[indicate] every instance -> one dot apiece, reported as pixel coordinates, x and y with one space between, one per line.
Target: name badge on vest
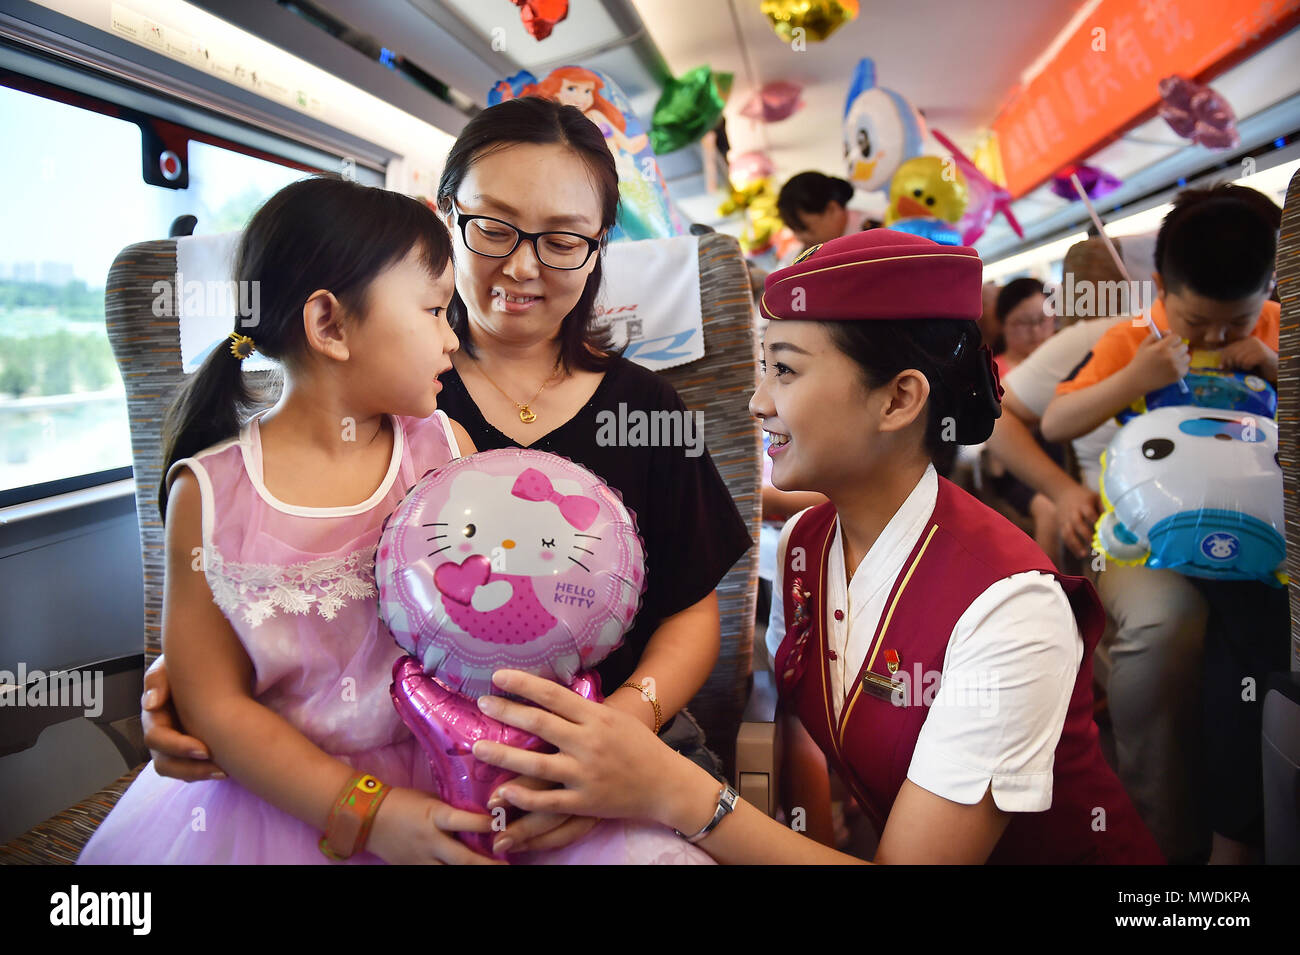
883 688
890 688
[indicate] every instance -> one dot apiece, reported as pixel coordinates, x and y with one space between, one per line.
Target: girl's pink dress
297 585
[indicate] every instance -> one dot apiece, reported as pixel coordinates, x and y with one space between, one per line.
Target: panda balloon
1197 491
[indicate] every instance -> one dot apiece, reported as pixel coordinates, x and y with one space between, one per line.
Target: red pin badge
892 660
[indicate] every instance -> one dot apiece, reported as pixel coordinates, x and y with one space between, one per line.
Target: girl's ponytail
209 408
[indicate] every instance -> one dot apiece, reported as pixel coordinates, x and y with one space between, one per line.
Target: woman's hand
610 764
539 830
1077 510
174 754
413 828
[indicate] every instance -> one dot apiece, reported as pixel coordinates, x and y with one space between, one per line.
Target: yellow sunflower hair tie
241 346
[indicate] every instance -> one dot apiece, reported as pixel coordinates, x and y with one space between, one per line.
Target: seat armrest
757 768
106 693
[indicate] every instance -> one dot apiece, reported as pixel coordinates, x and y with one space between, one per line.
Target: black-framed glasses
498 239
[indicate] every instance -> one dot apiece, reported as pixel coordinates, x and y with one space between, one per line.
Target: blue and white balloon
1197 491
881 130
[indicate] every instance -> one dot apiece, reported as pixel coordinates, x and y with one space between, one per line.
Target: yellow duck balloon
927 186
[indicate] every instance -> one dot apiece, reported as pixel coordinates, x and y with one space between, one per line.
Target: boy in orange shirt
1215 260
1213 295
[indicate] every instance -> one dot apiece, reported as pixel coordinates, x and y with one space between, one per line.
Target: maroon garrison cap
877 274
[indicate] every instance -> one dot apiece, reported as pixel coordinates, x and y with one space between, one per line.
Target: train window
71 184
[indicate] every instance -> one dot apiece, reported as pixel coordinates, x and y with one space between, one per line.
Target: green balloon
689 107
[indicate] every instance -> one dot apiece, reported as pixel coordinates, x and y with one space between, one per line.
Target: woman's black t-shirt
692 530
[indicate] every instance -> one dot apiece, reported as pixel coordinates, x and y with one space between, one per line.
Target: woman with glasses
529 192
1027 323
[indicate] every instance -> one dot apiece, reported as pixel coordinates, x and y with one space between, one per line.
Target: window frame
128 111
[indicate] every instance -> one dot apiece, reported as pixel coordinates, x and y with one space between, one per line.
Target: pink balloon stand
448 724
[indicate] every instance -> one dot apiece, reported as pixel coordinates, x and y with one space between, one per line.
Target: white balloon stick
1119 263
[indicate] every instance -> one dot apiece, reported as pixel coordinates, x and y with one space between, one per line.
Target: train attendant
900 585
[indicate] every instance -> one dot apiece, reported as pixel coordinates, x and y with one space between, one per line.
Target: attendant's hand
174 754
1251 354
610 765
539 830
413 828
1077 510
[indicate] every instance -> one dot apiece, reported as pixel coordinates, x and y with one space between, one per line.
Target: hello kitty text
574 595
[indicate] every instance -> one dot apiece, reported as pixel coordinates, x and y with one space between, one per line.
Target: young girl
270 627
931 651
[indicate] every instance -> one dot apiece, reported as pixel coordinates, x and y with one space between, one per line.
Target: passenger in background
1031 385
815 208
1214 272
1026 323
990 328
1024 320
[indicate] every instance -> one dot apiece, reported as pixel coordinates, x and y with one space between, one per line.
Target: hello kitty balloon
509 558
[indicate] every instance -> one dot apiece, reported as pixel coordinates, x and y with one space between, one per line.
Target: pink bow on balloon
533 485
1198 113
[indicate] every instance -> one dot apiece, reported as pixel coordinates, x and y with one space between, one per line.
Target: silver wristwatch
726 803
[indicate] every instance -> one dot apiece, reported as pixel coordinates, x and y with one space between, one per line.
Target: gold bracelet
648 697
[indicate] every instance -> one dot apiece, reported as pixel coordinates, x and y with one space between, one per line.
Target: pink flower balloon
1198 113
509 558
774 102
747 167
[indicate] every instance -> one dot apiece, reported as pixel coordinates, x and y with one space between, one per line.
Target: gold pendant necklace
526 413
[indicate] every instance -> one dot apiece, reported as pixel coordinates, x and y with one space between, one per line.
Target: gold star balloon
818 19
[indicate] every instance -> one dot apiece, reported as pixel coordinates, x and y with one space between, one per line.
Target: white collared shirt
1007 677
1034 382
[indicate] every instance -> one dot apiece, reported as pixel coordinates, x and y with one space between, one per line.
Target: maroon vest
964 549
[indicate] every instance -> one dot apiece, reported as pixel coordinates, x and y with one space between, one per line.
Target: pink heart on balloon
458 581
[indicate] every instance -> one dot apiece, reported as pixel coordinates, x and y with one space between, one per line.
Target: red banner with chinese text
1104 77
